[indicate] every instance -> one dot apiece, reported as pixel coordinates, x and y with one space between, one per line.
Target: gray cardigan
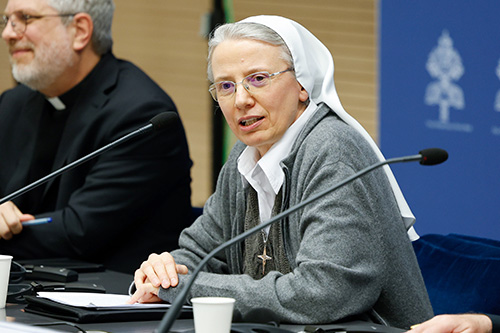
349 251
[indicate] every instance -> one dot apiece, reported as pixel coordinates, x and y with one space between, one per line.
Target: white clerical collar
56 103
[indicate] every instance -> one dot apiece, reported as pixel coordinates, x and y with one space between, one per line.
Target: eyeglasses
19 21
252 83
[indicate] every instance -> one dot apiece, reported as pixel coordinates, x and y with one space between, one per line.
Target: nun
347 255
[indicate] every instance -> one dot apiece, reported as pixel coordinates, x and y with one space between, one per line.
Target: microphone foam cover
432 156
163 120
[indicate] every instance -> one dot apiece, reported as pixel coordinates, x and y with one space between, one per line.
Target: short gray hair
101 12
246 30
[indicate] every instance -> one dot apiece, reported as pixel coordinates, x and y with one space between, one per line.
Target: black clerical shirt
49 133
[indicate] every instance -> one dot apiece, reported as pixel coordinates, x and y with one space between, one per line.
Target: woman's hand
158 270
145 293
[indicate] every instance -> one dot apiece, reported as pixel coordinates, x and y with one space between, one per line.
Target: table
115 283
118 283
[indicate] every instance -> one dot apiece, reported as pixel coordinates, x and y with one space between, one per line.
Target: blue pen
42 220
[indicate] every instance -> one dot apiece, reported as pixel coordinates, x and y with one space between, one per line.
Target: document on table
98 300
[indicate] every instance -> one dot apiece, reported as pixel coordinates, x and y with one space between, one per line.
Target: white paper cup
4 278
212 314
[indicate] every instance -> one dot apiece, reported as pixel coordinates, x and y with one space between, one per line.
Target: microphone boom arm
76 163
173 312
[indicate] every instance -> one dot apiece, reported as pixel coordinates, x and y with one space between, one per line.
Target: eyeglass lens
17 22
256 80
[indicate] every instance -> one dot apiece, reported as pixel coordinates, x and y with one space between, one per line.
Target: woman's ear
303 95
83 25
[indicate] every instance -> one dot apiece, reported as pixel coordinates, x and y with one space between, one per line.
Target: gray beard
46 67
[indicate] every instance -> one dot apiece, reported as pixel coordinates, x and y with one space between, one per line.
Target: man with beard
74 97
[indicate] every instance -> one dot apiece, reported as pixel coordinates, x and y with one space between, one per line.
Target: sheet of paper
97 300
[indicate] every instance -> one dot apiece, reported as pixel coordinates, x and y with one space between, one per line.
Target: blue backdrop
440 87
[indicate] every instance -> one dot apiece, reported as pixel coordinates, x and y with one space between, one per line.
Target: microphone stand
76 163
173 312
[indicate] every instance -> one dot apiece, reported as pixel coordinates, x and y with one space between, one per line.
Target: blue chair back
461 273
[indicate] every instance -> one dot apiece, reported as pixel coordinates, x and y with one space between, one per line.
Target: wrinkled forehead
245 56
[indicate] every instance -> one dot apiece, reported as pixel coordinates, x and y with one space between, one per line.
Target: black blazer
118 208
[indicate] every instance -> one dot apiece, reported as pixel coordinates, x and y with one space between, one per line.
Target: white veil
313 65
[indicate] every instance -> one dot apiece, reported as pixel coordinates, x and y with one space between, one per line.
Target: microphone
157 123
433 156
430 156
